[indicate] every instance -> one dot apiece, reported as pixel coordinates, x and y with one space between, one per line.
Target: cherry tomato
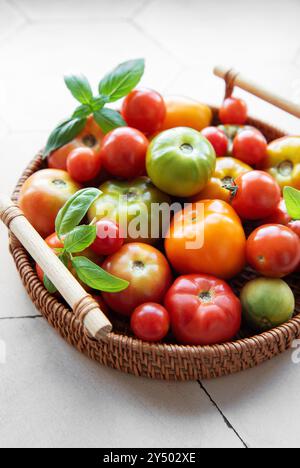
90 137
257 196
186 112
150 322
281 216
207 237
123 152
83 164
233 111
147 271
43 195
218 139
145 110
273 250
203 310
250 146
109 239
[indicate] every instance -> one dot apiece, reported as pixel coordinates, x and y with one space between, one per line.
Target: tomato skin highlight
273 250
258 195
223 251
83 164
145 110
218 139
250 146
42 196
203 310
147 271
233 111
109 239
150 322
123 152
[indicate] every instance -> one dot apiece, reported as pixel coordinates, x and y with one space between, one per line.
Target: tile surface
52 396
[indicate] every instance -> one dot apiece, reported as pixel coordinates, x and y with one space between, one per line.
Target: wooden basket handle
234 78
84 306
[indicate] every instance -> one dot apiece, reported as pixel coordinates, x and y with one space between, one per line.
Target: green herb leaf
292 201
75 210
64 257
108 119
82 112
120 81
63 134
80 238
49 285
97 278
98 103
80 88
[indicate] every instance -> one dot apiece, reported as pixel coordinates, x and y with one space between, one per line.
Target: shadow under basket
166 360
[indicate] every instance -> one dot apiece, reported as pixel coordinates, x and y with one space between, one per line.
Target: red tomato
43 195
54 243
217 138
123 152
233 111
83 164
203 310
145 110
273 250
257 196
90 137
281 216
147 271
250 146
150 322
109 239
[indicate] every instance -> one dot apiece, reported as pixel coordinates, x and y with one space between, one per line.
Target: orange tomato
43 195
207 237
226 171
186 112
90 137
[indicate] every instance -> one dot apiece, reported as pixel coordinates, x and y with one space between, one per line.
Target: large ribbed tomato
207 237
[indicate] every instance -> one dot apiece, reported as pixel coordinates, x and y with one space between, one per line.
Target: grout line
21 317
16 7
141 8
226 421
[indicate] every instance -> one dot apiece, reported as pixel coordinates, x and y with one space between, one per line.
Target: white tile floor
51 395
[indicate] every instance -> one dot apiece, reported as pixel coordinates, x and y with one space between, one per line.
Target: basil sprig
76 239
292 201
115 85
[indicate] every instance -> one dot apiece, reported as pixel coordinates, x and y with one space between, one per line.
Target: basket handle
234 78
84 306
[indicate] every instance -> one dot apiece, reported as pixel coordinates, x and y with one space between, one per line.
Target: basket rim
275 335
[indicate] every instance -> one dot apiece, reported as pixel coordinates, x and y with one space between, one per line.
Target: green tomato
132 205
267 303
180 161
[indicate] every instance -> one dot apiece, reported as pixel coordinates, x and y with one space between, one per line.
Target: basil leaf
120 81
64 257
80 88
292 201
63 134
80 238
108 119
49 285
97 278
98 103
82 111
75 210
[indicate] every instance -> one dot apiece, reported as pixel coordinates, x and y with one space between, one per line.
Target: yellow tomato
186 112
227 170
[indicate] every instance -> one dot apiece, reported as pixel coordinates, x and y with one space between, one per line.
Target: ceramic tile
45 53
52 396
263 403
10 19
69 10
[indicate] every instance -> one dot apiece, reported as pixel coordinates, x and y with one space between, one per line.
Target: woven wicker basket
167 361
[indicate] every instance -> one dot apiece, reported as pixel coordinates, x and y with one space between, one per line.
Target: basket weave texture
160 361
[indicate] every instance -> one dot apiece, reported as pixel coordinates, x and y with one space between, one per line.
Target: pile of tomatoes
223 176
